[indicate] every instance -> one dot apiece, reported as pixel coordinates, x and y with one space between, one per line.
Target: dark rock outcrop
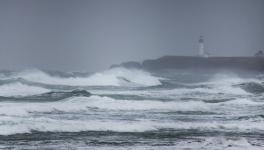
255 64
212 63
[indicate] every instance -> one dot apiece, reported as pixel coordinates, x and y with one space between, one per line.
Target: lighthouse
202 52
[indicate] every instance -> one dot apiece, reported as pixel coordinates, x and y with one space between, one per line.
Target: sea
127 109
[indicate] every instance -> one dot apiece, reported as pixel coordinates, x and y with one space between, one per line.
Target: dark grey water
131 109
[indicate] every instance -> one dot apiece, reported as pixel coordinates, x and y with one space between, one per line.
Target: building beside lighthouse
202 52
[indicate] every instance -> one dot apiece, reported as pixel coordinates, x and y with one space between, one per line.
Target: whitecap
112 77
19 89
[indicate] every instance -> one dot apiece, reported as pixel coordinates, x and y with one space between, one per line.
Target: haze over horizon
91 35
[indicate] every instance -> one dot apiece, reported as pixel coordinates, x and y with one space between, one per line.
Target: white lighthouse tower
202 52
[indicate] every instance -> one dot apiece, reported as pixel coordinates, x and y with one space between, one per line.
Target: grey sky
93 34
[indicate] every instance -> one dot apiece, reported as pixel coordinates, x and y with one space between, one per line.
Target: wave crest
112 77
19 89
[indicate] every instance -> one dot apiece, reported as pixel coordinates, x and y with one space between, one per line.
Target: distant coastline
255 64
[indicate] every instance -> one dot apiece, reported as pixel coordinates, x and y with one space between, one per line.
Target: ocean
125 109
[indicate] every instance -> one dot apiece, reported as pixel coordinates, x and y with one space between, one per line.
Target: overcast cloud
91 35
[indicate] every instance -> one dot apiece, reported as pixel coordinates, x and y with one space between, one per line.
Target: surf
111 77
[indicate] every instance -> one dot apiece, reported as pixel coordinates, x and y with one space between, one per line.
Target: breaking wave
112 77
232 84
19 89
86 104
43 124
252 87
44 97
80 104
132 101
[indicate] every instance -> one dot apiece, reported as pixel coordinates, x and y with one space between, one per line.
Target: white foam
17 117
19 89
227 83
214 90
77 104
230 144
87 104
221 85
13 125
243 101
183 144
112 77
23 125
108 103
200 93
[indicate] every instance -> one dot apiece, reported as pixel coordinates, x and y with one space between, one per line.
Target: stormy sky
90 35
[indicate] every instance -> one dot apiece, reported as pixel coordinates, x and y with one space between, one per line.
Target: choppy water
131 109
